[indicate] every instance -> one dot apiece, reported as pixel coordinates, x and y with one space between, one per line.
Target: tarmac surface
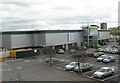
36 70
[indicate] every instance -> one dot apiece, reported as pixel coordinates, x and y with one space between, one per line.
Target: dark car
84 67
96 55
109 59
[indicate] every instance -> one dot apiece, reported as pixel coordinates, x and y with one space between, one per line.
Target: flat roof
39 31
43 31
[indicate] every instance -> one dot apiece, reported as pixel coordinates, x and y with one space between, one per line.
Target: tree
50 53
81 57
115 31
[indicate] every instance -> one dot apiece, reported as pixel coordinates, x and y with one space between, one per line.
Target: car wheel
90 68
66 69
72 69
112 73
102 77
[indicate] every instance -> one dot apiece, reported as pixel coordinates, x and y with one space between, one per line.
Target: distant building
65 39
103 25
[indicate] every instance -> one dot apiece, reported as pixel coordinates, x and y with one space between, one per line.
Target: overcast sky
56 14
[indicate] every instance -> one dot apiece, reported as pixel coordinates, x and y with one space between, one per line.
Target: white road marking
13 60
88 72
27 60
92 77
111 77
9 69
19 67
114 67
18 59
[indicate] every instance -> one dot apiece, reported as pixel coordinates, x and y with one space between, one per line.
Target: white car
108 50
103 72
60 51
101 58
114 50
71 66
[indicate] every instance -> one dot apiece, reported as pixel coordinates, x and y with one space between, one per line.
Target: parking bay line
111 77
88 72
91 77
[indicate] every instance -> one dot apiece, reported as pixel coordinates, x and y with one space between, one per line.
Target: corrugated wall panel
22 40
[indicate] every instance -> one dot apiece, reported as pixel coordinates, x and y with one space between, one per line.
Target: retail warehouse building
66 39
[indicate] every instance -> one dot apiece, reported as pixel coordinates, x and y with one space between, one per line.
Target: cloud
32 14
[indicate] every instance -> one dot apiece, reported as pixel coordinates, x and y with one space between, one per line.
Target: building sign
93 31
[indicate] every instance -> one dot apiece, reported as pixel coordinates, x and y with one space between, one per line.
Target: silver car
71 66
103 72
101 58
108 50
114 50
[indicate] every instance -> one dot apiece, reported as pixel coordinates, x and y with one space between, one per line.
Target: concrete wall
39 40
6 41
103 35
22 40
63 38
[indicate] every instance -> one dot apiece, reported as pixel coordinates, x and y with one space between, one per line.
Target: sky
56 14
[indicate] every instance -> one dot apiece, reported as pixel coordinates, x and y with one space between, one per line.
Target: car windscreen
108 58
102 56
102 70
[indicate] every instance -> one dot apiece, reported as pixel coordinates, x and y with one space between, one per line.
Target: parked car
84 67
60 51
108 50
114 46
103 72
114 50
71 66
109 59
100 50
96 55
90 53
72 50
103 43
101 58
118 49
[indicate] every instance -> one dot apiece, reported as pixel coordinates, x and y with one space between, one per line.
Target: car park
103 72
101 58
71 66
109 59
60 51
96 55
83 67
